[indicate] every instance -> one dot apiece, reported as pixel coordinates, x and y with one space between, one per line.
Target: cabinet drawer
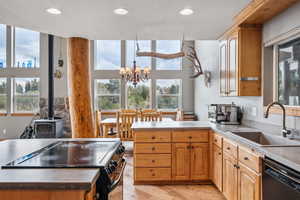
152 136
152 160
152 174
152 148
250 159
190 136
217 140
230 148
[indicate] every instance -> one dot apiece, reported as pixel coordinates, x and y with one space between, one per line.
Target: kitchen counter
41 179
287 155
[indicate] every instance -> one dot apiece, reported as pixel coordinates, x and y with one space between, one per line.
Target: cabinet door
230 177
199 161
217 167
232 65
181 161
223 68
249 184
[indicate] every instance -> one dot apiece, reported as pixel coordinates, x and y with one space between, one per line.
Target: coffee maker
227 114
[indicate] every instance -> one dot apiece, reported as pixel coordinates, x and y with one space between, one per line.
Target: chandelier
135 74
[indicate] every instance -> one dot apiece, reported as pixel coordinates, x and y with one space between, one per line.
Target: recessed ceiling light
53 11
121 11
186 11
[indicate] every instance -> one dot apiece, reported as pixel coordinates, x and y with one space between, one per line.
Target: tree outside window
138 97
168 93
107 94
3 95
26 95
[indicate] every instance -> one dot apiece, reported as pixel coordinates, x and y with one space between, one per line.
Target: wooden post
79 78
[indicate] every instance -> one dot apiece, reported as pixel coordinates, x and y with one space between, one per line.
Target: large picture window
168 46
3 95
139 96
26 95
289 73
27 48
2 46
145 45
168 93
107 94
108 54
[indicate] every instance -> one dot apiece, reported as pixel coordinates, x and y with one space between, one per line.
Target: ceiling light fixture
53 11
186 11
121 11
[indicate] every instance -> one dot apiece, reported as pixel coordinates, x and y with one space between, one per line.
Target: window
145 45
26 95
27 48
168 93
108 54
168 46
2 46
3 95
289 73
107 94
139 96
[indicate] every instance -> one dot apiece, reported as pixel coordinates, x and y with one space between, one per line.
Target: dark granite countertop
287 155
52 179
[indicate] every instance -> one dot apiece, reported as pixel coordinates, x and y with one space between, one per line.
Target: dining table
109 124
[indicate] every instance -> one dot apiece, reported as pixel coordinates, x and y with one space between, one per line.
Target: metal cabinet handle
216 140
153 174
153 148
153 137
246 158
153 161
228 148
190 137
220 153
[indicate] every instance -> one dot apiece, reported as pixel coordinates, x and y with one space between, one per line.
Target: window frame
169 95
106 95
5 95
150 95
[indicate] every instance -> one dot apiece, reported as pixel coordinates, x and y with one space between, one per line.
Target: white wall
253 106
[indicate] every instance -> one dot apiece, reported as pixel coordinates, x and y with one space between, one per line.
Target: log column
79 78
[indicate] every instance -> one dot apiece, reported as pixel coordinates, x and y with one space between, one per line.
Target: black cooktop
69 154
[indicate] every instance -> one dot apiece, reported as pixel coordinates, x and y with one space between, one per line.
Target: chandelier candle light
136 74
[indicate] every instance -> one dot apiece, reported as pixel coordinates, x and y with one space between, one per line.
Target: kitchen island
44 183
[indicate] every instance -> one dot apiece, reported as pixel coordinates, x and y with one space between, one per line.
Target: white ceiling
150 19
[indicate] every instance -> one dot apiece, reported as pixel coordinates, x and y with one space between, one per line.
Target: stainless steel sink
264 139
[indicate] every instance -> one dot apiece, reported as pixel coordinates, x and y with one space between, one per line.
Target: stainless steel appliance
48 128
107 155
280 182
230 114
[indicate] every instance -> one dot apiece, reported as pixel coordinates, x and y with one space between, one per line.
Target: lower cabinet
190 161
230 177
249 183
217 174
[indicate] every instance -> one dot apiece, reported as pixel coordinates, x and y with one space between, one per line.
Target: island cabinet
240 62
240 178
171 156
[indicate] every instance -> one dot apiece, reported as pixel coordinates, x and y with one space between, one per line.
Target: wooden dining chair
124 123
150 115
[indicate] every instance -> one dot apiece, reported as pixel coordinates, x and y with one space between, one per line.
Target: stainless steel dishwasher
280 182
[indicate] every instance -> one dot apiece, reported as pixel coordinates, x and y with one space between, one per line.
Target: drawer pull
246 158
220 153
153 174
216 140
190 137
153 161
153 148
153 137
228 148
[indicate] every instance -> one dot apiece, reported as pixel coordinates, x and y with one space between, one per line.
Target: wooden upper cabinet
249 186
230 177
240 62
181 161
223 68
199 161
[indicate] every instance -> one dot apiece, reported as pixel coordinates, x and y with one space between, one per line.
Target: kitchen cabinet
248 184
240 62
230 177
217 176
181 161
199 161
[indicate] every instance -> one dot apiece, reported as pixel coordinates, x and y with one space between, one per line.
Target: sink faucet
284 131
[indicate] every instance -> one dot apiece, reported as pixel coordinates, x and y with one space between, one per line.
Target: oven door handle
117 181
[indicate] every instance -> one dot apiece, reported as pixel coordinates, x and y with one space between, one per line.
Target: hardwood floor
165 192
